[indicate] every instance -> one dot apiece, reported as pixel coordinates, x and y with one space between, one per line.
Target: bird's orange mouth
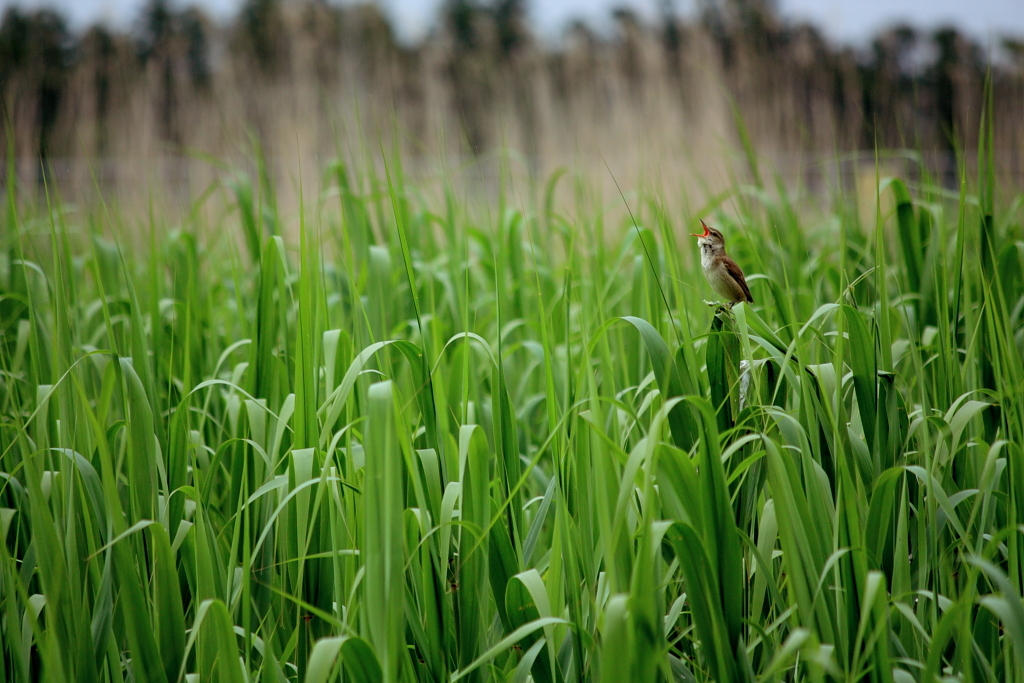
703 234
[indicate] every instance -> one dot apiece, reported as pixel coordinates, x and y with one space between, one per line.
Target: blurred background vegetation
305 81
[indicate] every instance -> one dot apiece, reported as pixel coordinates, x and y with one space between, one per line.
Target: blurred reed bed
303 82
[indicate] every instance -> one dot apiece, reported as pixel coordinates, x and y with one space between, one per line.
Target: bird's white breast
718 275
706 258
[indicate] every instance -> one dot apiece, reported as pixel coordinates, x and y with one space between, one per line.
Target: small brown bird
724 276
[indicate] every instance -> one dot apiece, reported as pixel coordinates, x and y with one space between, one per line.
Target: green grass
423 442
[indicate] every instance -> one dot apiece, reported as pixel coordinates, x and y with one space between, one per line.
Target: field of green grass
417 440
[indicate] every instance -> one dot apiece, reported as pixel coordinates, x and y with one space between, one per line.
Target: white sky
848 21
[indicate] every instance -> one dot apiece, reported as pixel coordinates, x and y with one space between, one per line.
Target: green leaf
504 644
670 382
383 550
168 616
359 660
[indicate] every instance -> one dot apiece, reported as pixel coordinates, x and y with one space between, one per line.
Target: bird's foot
719 306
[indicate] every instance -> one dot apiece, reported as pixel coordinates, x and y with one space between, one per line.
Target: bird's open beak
703 234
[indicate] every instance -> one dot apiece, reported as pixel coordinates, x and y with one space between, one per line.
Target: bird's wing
736 274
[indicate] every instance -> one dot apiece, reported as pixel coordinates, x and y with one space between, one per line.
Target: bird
722 273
